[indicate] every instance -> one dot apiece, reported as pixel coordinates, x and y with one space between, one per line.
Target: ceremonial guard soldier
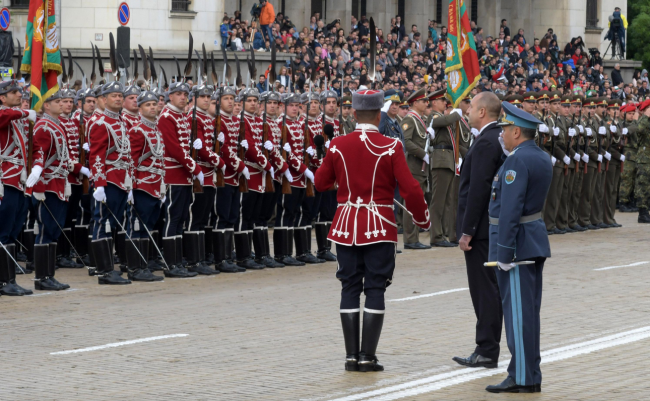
130 106
581 159
443 145
180 171
593 162
228 196
148 193
554 147
416 141
517 236
194 241
13 156
50 191
348 118
367 166
630 147
615 158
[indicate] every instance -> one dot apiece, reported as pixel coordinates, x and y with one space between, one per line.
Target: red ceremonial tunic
367 166
234 166
148 155
254 157
315 128
13 143
130 119
51 153
110 151
277 161
208 160
333 122
296 139
71 128
175 130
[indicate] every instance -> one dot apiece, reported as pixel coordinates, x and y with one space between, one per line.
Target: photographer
617 26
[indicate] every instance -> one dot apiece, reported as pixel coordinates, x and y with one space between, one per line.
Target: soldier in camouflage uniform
631 144
642 183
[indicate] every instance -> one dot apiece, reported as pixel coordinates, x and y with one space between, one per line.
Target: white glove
503 146
197 144
287 147
553 160
589 133
246 173
85 171
268 145
288 175
31 115
164 198
612 128
543 128
34 176
99 194
572 132
129 198
576 157
602 131
426 158
327 144
622 158
600 158
457 111
556 131
585 158
86 147
608 156
475 132
566 159
506 266
311 151
432 132
221 137
223 168
624 131
200 177
272 172
244 144
581 128
309 175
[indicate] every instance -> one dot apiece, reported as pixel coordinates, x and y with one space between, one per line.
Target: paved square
275 334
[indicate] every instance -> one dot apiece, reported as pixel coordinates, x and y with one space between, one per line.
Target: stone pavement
275 334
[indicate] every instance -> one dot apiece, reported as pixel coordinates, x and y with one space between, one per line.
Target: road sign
123 14
5 19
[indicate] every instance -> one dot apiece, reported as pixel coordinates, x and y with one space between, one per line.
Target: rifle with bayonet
577 143
624 142
197 188
568 142
217 124
266 129
82 131
599 145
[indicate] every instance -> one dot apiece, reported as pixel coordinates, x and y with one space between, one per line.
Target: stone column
381 11
520 14
489 17
418 12
339 9
299 11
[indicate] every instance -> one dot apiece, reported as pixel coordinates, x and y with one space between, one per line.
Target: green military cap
543 95
614 103
566 100
555 96
514 99
578 99
421 94
530 96
437 94
347 101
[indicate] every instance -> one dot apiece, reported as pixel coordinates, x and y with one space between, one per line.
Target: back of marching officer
517 234
367 167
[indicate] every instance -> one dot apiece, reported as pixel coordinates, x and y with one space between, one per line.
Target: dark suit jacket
480 164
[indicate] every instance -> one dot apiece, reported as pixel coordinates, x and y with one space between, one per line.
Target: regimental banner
462 68
42 58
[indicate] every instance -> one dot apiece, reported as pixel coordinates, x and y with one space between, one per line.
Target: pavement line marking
630 265
113 345
428 295
58 292
437 382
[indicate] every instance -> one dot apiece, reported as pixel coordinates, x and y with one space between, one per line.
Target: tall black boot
144 250
92 265
63 259
329 243
120 250
8 284
267 260
209 251
155 263
302 249
351 331
134 262
286 237
81 243
195 253
278 245
28 240
250 243
322 243
13 268
243 248
372 324
42 268
52 266
230 248
644 217
308 242
174 248
221 262
103 253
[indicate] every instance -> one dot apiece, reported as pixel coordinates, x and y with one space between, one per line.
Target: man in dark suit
477 172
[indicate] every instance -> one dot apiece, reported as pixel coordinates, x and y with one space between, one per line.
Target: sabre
125 232
150 236
12 258
403 207
523 262
63 232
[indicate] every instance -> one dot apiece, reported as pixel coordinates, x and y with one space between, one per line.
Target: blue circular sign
123 14
5 19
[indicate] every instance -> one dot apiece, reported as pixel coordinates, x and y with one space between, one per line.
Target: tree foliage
638 37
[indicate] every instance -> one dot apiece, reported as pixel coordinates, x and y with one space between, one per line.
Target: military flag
42 58
462 67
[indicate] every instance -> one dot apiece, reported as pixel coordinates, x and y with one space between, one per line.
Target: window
439 11
475 11
181 5
592 13
19 3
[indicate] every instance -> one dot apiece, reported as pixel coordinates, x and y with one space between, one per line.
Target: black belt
443 147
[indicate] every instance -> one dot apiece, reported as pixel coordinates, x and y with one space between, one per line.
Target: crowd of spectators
408 58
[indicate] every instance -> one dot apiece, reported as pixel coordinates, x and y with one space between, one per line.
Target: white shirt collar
481 130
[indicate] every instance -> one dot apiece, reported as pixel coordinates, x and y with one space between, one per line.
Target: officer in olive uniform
614 157
554 147
515 100
517 234
567 124
580 164
589 178
642 183
630 147
604 137
349 123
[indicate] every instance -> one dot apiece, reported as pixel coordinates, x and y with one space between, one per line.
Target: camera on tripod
593 51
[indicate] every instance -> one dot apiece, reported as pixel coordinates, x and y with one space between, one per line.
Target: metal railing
181 5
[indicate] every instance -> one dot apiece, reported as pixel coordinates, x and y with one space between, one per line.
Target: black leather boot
92 265
195 253
644 217
221 262
103 253
42 268
351 329
81 243
243 247
372 324
230 248
28 240
321 243
329 243
144 250
302 249
8 272
13 267
52 264
286 242
267 260
155 262
208 241
63 259
135 263
173 256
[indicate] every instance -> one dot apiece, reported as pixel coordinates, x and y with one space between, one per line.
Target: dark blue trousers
227 207
200 211
327 207
521 297
308 210
288 206
116 203
177 209
13 211
250 209
269 203
368 269
48 229
148 210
